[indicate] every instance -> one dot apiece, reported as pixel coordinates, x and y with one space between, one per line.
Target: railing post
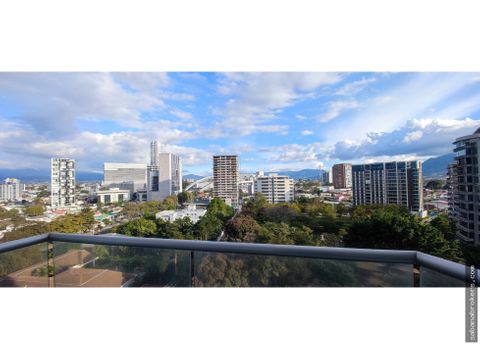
50 265
192 269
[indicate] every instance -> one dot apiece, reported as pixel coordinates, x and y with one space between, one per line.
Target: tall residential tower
342 176
62 182
226 173
396 182
276 188
464 192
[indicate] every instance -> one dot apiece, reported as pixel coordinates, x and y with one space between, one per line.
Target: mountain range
432 168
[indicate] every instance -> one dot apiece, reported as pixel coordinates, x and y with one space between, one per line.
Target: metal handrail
418 258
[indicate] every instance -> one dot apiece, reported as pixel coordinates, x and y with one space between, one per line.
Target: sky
273 121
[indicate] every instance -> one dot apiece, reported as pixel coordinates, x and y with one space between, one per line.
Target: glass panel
432 278
86 265
26 267
234 270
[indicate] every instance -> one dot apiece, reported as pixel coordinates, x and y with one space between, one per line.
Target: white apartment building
226 173
276 188
125 176
112 195
164 174
191 212
11 190
62 182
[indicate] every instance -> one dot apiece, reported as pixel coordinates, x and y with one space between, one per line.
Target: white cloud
413 136
335 108
418 138
354 87
411 98
256 98
307 132
181 114
54 102
382 100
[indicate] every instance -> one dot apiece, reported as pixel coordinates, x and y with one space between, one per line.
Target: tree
138 227
434 185
275 233
208 227
170 202
185 197
280 213
445 225
218 208
392 228
242 228
34 210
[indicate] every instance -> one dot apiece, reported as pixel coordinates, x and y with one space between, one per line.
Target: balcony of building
74 260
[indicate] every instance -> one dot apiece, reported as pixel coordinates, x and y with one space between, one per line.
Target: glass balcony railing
73 260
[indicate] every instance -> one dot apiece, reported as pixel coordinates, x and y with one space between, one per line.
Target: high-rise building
62 182
397 182
125 176
154 151
464 192
164 174
451 185
276 188
326 177
342 176
226 173
11 190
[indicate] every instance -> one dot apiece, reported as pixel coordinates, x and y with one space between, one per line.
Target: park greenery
307 222
70 223
310 222
208 227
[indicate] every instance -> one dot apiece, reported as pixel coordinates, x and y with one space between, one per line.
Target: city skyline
289 121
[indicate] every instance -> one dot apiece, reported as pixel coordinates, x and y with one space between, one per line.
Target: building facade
11 190
164 174
226 173
125 176
190 212
326 177
464 192
342 176
112 195
62 182
276 188
397 182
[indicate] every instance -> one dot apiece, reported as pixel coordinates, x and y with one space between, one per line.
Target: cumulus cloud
307 132
413 136
412 97
419 137
53 102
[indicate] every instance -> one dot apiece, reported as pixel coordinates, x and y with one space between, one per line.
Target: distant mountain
192 176
437 167
36 175
310 174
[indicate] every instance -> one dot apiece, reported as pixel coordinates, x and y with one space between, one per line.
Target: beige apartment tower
226 173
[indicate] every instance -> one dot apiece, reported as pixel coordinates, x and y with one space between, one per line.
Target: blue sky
274 121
